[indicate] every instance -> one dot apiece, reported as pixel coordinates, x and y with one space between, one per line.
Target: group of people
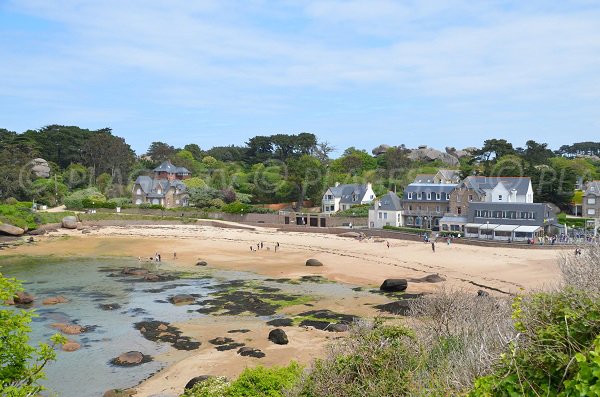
261 245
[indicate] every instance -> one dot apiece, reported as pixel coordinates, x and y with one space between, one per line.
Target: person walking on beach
433 246
261 245
158 256
388 244
174 255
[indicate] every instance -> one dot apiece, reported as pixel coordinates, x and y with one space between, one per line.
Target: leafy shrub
21 364
252 382
91 196
19 214
236 208
357 211
148 206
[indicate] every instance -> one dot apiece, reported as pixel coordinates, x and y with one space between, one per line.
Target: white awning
473 225
454 219
528 229
488 226
506 228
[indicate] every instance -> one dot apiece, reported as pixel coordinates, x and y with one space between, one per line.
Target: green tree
194 150
21 365
160 151
306 175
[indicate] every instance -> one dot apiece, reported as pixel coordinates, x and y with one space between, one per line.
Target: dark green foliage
19 214
359 211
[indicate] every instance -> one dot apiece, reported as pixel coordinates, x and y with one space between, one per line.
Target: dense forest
266 169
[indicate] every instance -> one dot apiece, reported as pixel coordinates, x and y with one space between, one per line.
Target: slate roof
451 175
345 192
483 183
424 178
167 167
429 188
389 202
592 187
150 186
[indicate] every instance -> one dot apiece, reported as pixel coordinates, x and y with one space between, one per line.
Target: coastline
346 260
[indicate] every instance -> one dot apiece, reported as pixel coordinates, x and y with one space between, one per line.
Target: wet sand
346 260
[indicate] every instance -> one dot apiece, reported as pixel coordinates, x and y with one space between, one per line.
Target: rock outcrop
11 230
40 168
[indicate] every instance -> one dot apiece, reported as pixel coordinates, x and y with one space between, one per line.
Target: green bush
357 211
90 196
19 214
252 382
236 208
556 351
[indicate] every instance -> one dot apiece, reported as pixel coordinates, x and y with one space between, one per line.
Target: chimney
337 184
369 185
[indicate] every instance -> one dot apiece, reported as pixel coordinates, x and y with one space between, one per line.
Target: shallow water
87 284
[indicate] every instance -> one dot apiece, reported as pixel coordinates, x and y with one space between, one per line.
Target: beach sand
363 263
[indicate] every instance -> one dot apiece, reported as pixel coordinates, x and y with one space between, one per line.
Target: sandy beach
345 260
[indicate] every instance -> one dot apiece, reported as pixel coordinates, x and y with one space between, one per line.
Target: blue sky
355 73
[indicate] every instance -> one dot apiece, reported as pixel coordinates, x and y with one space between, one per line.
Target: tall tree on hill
160 151
537 153
106 153
305 173
194 150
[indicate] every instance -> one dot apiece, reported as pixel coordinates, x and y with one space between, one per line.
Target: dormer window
410 195
499 197
438 196
428 196
419 196
159 191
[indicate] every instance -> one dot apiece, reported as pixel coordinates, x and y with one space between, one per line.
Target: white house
342 197
386 211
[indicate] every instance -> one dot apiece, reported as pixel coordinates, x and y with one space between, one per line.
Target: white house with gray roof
342 197
386 211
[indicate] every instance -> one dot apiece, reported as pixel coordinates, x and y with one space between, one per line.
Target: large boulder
23 298
381 149
69 222
194 381
40 168
313 262
278 336
337 327
71 346
394 285
129 359
11 230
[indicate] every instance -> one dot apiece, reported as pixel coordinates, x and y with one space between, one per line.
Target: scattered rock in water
281 322
158 331
250 352
194 381
118 393
23 298
278 336
69 329
229 346
11 230
235 301
53 300
182 299
71 346
313 262
238 331
134 271
151 277
483 293
394 285
69 222
202 263
221 340
431 278
131 359
109 306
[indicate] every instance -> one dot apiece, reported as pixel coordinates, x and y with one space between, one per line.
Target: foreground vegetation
546 343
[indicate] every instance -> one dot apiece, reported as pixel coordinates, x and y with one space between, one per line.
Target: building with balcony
342 197
386 211
425 204
165 187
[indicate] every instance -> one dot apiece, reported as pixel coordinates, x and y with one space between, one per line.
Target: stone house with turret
165 187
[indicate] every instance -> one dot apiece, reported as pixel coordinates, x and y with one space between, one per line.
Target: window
385 215
458 197
399 218
409 220
438 196
380 215
410 195
591 211
329 197
419 196
410 207
159 191
470 197
139 192
459 211
499 197
592 200
428 196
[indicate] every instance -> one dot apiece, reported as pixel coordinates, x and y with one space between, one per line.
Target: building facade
165 187
425 204
386 211
591 200
342 197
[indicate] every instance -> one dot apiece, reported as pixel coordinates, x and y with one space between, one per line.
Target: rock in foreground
69 222
278 336
394 285
313 262
11 230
